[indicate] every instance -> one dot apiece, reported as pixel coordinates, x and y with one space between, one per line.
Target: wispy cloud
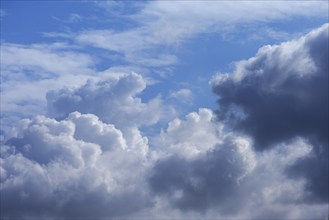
162 26
28 72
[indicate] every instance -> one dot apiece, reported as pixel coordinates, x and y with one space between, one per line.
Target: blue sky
149 75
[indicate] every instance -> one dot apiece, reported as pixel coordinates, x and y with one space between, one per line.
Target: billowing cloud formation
206 181
232 181
114 101
281 94
71 168
185 138
213 171
94 161
94 151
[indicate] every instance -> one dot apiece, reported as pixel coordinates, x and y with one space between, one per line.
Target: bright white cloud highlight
61 168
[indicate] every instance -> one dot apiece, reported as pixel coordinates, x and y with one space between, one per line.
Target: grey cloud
231 180
201 183
283 94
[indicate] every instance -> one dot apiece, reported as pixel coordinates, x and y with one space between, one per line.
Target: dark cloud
283 94
282 99
315 169
204 182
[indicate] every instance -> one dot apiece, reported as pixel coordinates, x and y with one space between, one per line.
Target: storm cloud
281 94
283 90
201 183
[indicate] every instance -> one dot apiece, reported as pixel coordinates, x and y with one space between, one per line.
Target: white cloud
162 26
114 101
182 95
191 137
28 72
61 168
45 60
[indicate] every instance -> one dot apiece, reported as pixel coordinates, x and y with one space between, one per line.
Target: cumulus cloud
94 151
89 157
68 173
186 138
75 167
281 94
206 181
231 181
114 101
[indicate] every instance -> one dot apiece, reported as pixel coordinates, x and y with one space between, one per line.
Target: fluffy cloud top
57 168
114 101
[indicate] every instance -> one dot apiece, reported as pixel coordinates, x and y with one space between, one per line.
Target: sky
164 109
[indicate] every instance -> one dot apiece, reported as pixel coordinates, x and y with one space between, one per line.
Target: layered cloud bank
263 154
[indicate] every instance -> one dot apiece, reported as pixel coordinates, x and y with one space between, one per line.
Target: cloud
281 94
160 27
191 137
43 59
81 157
207 181
29 71
205 170
114 101
90 158
56 169
182 95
